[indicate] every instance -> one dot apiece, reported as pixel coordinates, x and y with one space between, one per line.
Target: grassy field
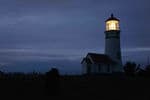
79 87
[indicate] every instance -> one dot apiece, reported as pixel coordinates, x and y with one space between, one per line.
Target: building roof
87 60
98 58
112 18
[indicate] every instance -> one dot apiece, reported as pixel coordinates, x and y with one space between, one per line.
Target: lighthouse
112 41
110 62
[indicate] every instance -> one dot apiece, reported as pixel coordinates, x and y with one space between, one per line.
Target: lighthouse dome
112 18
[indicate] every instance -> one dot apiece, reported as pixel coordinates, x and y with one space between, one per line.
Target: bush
130 68
53 82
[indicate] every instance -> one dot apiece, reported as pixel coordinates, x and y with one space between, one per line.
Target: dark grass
101 87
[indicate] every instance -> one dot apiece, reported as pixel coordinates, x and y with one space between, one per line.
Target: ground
79 87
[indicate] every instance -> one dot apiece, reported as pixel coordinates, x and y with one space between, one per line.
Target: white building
111 61
97 63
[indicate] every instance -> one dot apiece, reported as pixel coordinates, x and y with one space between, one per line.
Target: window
99 68
88 68
108 68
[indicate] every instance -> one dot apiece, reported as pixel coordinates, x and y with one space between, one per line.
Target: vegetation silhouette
54 85
141 72
147 70
130 68
52 82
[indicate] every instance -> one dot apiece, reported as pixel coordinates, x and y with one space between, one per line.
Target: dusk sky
36 35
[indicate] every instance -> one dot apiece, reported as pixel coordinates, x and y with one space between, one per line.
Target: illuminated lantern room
112 24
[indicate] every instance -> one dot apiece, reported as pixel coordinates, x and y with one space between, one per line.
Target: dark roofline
87 60
90 53
102 58
112 18
83 60
86 56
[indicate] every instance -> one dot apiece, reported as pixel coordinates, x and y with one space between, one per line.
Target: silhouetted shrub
141 72
1 73
147 70
52 82
130 68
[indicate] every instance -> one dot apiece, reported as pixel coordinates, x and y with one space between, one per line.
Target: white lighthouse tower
112 42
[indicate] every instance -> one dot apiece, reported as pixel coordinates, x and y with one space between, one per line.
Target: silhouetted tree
141 72
53 82
147 70
1 73
130 68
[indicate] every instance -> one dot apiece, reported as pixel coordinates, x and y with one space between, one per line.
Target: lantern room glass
112 25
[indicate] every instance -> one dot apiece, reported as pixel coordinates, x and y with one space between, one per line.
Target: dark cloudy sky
36 35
